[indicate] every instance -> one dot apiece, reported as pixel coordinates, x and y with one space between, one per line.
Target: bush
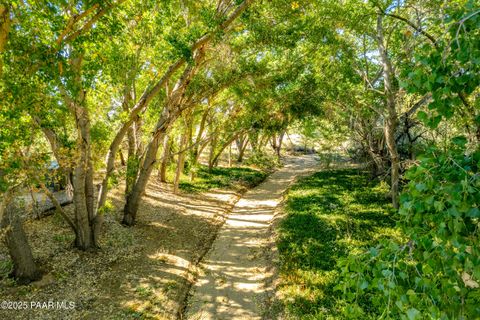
434 273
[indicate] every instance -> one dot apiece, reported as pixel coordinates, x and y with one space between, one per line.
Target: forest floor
144 272
235 278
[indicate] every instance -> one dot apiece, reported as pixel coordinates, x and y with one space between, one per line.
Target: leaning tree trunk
172 110
220 150
24 268
197 146
133 198
242 144
170 113
162 172
392 117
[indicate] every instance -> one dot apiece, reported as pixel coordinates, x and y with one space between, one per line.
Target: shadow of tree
329 214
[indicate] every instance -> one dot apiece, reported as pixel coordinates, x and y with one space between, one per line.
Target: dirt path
235 270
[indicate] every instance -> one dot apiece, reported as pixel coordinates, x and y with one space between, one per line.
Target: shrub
435 271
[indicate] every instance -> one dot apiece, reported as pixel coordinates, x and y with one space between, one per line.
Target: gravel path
232 285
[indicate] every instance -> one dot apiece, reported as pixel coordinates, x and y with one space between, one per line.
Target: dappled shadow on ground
234 178
235 273
235 269
141 272
177 230
328 215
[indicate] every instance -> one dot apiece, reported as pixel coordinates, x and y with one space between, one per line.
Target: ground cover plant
328 215
232 178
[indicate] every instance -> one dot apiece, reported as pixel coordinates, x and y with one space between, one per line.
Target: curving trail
232 285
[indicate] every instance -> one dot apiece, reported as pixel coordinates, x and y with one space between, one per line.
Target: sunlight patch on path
231 285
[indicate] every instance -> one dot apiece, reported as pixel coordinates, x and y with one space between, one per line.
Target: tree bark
253 138
165 159
84 238
132 160
391 121
24 268
133 198
180 162
213 146
277 143
242 144
87 220
170 113
122 158
280 143
5 24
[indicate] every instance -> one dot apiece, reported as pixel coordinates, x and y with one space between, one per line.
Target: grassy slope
328 215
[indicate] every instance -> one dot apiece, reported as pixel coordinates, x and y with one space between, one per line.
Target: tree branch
415 27
58 206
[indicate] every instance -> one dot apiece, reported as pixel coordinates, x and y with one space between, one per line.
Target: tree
172 110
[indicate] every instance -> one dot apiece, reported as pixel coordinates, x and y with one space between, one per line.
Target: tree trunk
84 235
273 142
253 138
5 24
162 173
374 150
135 195
170 113
213 146
227 143
277 143
391 120
242 144
263 141
180 162
122 158
24 268
132 161
280 143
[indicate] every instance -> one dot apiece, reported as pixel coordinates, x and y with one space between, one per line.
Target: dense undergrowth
328 215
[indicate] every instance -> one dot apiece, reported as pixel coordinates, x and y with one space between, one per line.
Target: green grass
234 178
328 215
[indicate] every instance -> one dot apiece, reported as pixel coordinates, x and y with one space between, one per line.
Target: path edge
273 308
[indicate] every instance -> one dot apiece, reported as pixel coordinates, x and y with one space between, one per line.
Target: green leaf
422 116
364 285
413 314
473 213
460 141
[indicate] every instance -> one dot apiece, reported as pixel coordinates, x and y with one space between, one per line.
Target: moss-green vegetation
234 178
328 215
